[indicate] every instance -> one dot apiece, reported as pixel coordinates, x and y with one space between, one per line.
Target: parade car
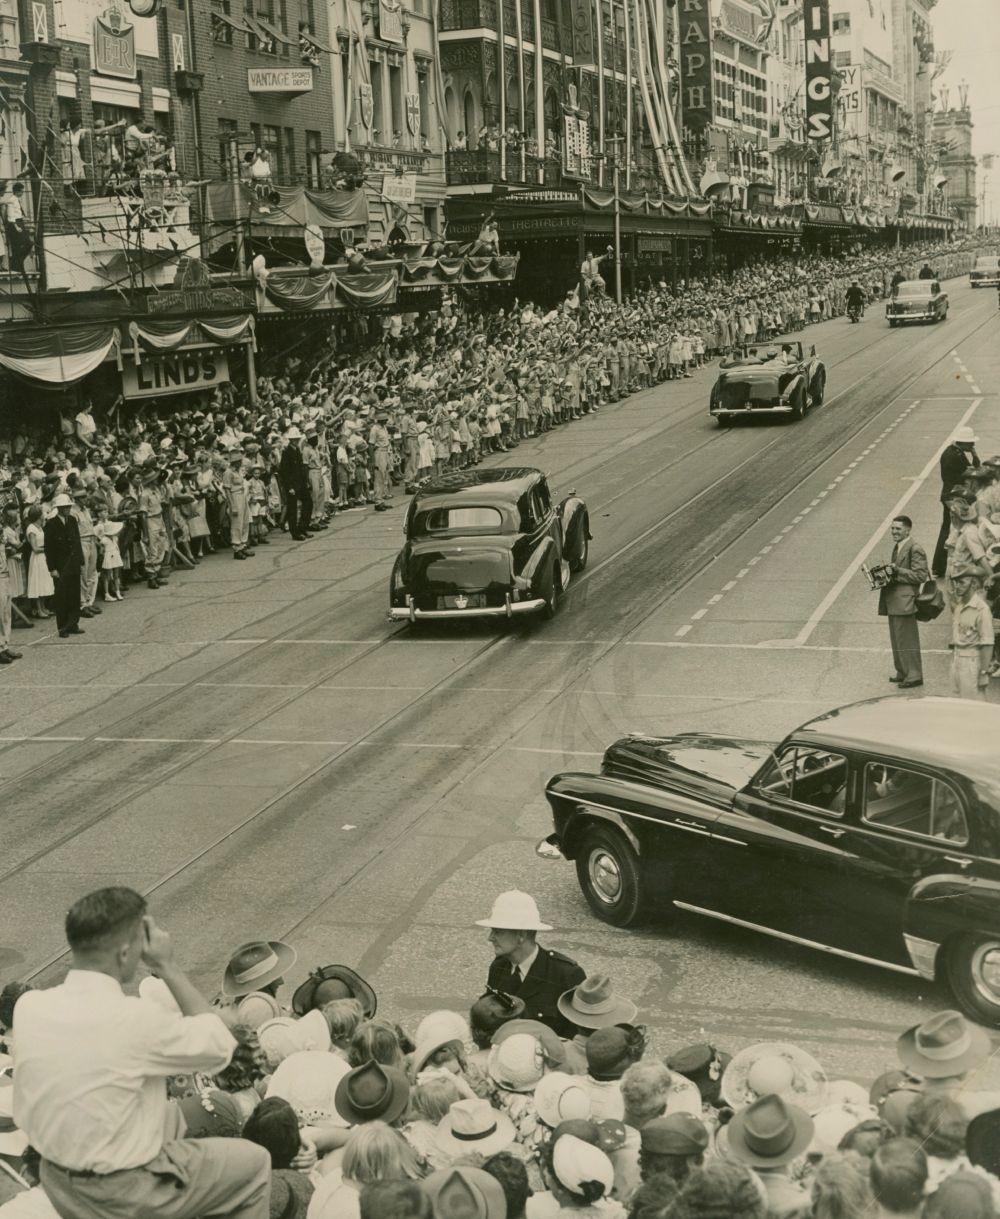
917 300
784 381
985 273
487 544
871 832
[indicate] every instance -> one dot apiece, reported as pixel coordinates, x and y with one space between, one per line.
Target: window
307 13
290 166
431 220
439 520
229 165
840 23
396 99
314 150
423 89
222 31
842 59
271 143
379 133
913 803
808 776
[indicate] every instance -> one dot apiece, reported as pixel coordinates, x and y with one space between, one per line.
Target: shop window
271 143
314 151
290 166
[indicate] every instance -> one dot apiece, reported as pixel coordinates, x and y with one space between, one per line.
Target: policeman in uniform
971 635
154 532
234 487
522 967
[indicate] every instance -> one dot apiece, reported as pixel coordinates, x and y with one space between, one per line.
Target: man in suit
64 554
522 967
898 602
957 460
294 479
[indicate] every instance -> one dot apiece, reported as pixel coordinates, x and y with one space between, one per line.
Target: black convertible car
487 544
781 381
872 832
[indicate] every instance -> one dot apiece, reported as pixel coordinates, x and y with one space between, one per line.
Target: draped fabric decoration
366 289
441 108
168 335
299 292
58 356
419 268
605 199
297 206
654 85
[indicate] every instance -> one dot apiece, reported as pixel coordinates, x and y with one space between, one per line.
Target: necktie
895 551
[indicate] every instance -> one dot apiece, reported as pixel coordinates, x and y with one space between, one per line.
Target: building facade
954 173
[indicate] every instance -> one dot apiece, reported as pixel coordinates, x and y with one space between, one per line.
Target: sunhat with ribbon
945 1044
310 1080
553 1046
517 1063
255 965
774 1067
474 1125
594 1005
769 1133
560 1097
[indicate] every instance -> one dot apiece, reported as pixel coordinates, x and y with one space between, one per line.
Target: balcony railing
468 14
465 168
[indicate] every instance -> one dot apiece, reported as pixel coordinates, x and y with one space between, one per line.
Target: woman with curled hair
429 1103
719 1190
343 1016
378 1041
939 1125
373 1152
840 1188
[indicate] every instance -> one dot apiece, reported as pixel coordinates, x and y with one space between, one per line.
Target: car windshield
915 289
458 519
987 264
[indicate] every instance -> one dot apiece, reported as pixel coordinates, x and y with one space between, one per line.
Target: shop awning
235 23
273 30
296 207
57 356
320 46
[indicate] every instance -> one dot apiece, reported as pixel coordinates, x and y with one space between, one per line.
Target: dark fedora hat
372 1093
329 982
703 1065
255 965
982 1141
946 1044
769 1132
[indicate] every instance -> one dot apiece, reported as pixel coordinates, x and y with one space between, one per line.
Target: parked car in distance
781 381
487 544
986 272
917 300
871 832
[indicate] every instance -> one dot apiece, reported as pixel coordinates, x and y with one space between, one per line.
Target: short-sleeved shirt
972 624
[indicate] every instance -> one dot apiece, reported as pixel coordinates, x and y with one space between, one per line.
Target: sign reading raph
697 97
819 70
114 43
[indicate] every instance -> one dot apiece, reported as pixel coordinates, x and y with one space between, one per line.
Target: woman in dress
40 586
196 515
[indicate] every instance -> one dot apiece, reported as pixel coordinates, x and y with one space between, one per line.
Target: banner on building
390 21
114 44
413 112
851 89
576 147
819 70
584 50
175 373
366 104
399 188
697 96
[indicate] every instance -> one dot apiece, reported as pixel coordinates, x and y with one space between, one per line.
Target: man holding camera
897 601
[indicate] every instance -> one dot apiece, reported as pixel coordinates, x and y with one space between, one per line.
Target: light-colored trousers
156 544
88 571
189 1179
965 666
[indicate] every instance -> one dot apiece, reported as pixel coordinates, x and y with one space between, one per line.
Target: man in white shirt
90 1088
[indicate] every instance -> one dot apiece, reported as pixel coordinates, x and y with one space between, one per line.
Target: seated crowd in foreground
539 1104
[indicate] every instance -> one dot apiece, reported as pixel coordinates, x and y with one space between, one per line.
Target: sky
971 29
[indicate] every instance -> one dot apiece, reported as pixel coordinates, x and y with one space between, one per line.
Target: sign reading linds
819 69
279 80
697 100
175 373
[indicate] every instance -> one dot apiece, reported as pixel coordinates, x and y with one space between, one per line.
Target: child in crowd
106 532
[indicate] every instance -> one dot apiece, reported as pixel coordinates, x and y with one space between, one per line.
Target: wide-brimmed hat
593 1004
330 982
832 1122
293 433
702 1064
255 1009
465 1193
474 1125
964 435
62 501
576 1163
436 1030
774 1067
769 1133
255 965
371 1093
514 911
517 1063
945 1044
560 1097
553 1046
282 1036
310 1080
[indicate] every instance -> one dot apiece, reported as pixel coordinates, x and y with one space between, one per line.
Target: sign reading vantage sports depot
697 100
279 80
819 70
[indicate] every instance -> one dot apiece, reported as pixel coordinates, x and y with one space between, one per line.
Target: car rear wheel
972 969
610 876
549 591
893 323
819 389
723 420
799 403
580 562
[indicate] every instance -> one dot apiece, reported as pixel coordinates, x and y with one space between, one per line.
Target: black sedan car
917 300
780 381
487 544
872 832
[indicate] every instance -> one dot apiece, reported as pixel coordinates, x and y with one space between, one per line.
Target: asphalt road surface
263 754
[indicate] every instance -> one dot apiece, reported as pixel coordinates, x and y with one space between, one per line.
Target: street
262 754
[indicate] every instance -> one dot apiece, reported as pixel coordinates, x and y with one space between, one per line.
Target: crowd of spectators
165 487
320 1106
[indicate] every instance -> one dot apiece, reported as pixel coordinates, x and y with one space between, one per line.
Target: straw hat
474 1125
774 1067
593 1004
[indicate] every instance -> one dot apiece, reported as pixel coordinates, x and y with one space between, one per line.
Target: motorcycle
854 313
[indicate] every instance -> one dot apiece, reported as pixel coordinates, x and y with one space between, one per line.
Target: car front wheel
610 876
972 969
819 389
549 591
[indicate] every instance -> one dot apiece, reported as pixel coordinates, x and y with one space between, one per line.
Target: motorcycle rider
856 299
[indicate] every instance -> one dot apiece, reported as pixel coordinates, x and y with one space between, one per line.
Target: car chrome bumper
549 848
923 954
410 613
743 412
911 317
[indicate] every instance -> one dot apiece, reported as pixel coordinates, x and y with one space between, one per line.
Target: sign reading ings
279 80
697 97
819 69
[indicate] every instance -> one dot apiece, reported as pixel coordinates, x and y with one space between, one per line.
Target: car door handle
834 831
960 861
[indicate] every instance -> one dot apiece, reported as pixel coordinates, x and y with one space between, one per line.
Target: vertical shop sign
697 95
819 70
